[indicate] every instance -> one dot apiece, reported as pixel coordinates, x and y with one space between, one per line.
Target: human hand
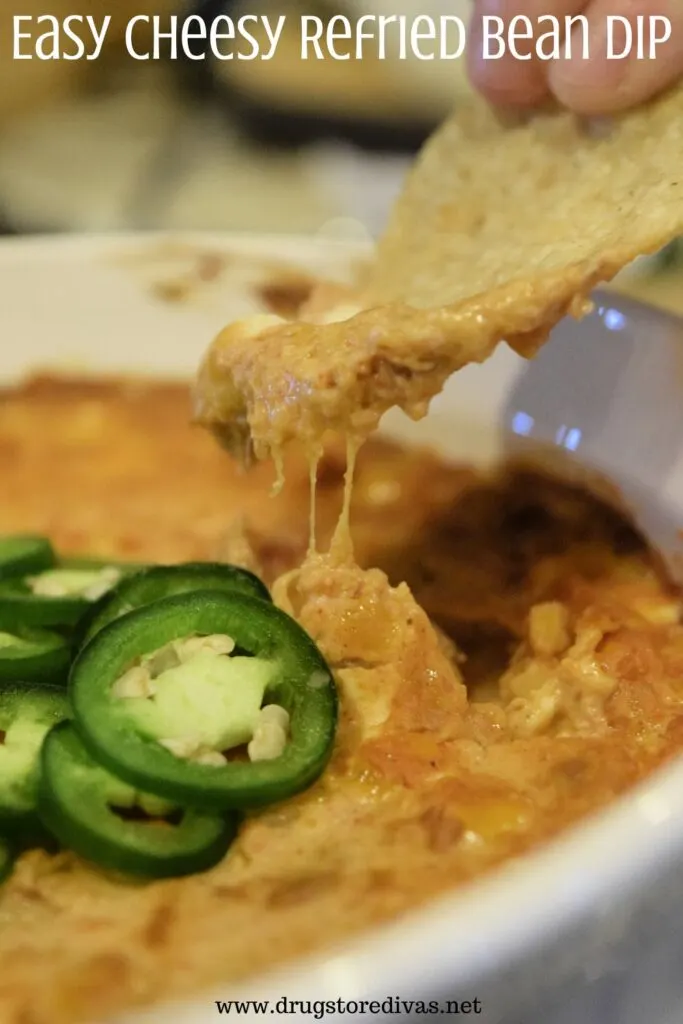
592 87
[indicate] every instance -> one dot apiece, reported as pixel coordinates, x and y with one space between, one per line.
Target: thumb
599 85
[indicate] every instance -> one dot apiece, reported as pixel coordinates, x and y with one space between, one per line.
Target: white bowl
588 929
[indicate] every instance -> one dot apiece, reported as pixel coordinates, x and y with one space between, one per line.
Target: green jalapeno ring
159 581
74 804
20 606
37 656
303 684
27 713
23 554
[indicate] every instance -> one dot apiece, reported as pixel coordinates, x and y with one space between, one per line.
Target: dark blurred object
198 76
671 258
291 129
289 103
5 227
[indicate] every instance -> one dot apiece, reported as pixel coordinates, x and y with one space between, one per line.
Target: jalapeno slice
161 581
104 820
166 729
58 596
33 655
23 554
27 713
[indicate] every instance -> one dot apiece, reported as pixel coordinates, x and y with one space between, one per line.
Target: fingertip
573 88
597 85
502 91
505 82
600 91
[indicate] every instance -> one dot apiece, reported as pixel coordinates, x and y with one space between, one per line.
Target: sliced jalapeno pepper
59 596
33 655
160 581
23 554
27 713
104 820
161 694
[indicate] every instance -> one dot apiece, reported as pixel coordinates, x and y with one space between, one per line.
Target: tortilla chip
501 231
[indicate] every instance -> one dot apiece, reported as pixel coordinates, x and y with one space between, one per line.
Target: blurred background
315 147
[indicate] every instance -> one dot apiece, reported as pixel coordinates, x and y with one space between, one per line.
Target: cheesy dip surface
510 661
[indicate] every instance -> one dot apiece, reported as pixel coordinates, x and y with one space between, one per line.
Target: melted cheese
313 483
342 544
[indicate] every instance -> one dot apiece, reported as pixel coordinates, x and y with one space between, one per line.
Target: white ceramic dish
588 929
